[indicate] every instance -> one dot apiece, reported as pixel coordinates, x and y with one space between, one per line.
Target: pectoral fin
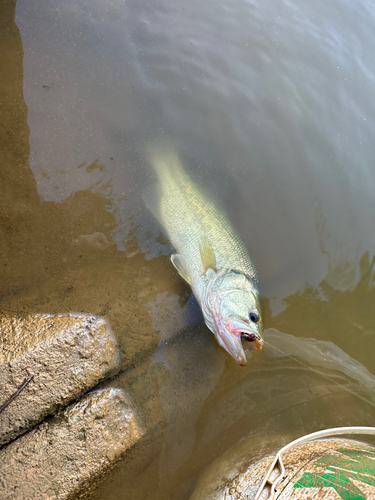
207 255
179 263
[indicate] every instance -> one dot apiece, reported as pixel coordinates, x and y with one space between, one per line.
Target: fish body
210 256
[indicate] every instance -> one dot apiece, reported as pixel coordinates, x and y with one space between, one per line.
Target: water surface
270 105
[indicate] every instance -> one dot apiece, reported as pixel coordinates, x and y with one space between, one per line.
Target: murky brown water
271 105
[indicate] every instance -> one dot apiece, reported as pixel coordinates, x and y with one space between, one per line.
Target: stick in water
18 391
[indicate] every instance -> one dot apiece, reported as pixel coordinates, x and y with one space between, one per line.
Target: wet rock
66 355
66 455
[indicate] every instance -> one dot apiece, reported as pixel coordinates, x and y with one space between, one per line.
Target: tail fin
167 165
165 161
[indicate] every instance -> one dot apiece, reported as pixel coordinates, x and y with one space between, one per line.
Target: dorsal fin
207 255
179 263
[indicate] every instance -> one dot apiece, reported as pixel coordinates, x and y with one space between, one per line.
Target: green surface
358 464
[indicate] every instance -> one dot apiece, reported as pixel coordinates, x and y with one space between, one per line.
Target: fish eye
254 317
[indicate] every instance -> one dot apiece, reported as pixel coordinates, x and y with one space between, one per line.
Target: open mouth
230 337
252 337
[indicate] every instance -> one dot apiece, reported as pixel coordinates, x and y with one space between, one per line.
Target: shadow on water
205 404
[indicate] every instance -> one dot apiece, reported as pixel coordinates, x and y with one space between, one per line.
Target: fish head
236 315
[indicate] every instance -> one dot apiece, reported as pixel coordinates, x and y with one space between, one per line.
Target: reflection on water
346 317
270 106
320 353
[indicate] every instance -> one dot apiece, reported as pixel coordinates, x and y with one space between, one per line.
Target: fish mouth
231 341
232 344
230 334
253 337
241 327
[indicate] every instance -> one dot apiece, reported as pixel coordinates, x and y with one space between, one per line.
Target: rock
66 355
67 454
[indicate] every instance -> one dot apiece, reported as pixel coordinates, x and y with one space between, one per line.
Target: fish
210 255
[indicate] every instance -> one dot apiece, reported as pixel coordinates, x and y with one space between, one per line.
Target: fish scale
190 217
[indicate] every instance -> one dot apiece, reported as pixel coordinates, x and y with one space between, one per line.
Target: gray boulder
62 356
67 454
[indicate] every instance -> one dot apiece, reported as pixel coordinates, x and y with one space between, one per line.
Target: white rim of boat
277 463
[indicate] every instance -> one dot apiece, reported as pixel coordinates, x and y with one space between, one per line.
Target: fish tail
166 163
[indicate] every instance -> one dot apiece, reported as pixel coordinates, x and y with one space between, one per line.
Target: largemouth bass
210 256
